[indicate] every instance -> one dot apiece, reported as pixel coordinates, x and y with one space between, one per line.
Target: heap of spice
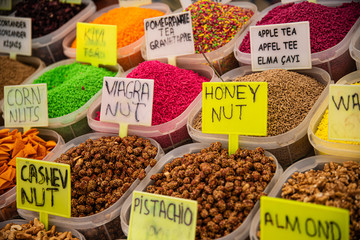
129 22
14 144
290 97
215 24
33 230
46 16
225 187
12 72
323 128
328 25
71 86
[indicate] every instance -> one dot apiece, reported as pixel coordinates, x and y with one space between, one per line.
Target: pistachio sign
285 46
158 217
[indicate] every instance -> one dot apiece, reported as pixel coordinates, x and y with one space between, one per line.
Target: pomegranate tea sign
285 46
127 100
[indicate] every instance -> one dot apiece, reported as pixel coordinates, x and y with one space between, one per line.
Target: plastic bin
103 225
240 233
128 56
8 199
287 147
75 233
28 60
332 148
354 48
73 124
222 58
170 134
335 60
314 162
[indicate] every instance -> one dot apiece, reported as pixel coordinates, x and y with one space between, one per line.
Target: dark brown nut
225 187
103 169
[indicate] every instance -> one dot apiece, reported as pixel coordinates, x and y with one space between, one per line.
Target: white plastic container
49 47
241 233
103 225
57 229
8 199
73 124
28 60
222 58
170 134
287 147
304 165
335 60
354 48
128 56
327 147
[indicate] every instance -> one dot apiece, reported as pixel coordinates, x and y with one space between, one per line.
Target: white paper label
127 100
15 35
289 1
285 46
169 35
186 3
133 3
5 4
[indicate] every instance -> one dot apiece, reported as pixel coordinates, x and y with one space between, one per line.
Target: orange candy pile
13 144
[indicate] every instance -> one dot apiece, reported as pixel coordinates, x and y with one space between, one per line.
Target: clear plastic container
354 48
75 233
128 56
287 147
170 134
8 199
241 233
304 165
103 225
28 60
222 58
73 124
332 148
335 60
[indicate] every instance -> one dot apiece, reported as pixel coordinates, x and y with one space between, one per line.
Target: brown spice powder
12 72
290 98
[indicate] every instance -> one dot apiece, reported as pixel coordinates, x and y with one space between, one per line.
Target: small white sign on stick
127 100
285 46
169 35
15 35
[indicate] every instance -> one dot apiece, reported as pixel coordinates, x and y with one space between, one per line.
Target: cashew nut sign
160 217
43 186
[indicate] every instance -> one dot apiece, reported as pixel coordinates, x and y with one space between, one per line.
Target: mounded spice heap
12 72
290 97
336 185
47 16
323 128
33 230
328 25
215 24
129 22
174 88
71 86
14 144
103 169
225 187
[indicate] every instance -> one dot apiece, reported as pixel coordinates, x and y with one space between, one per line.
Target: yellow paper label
43 186
234 108
157 217
5 4
71 1
133 3
26 105
344 112
288 219
96 43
